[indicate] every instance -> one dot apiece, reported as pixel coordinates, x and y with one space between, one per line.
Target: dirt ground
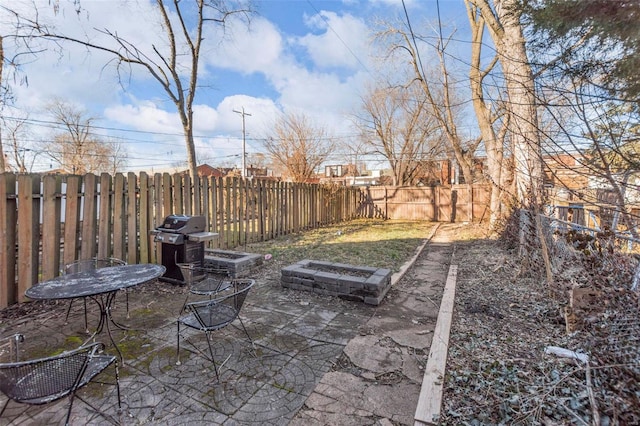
500 367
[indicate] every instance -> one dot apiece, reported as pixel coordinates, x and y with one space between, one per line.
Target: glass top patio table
95 282
100 285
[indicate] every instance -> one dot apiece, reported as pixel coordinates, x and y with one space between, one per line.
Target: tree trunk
493 143
522 105
503 23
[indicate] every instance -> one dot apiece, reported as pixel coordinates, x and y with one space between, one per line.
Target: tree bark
522 104
494 144
503 22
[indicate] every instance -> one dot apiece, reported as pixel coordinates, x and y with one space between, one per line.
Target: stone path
316 359
378 379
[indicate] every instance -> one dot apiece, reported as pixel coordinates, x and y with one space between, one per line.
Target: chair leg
246 332
66 318
86 323
213 361
71 396
115 365
184 304
4 407
178 350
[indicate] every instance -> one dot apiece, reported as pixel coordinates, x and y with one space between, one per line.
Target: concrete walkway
316 360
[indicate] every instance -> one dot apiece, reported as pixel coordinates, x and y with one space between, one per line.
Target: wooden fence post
52 187
132 219
8 226
227 212
222 211
145 218
88 244
157 217
119 217
105 214
215 206
72 219
167 199
187 188
28 232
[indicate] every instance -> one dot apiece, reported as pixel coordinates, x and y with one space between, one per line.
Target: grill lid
182 224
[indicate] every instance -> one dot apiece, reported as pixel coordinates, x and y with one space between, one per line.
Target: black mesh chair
215 314
44 380
84 265
203 281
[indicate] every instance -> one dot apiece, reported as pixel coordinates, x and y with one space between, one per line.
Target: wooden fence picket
8 224
51 205
132 254
105 224
145 223
28 232
119 216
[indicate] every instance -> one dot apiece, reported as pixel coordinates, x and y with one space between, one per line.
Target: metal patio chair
211 315
10 348
84 265
45 380
203 281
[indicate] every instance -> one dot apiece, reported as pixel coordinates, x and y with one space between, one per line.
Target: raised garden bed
358 283
236 263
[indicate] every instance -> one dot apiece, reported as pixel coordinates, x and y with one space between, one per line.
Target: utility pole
244 142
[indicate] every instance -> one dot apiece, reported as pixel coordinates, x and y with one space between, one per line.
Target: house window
333 171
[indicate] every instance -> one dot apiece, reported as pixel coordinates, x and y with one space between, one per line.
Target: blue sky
307 56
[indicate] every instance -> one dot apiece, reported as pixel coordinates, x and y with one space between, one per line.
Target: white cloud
246 50
145 116
262 111
343 43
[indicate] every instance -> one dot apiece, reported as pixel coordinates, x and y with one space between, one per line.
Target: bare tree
77 150
23 45
399 124
173 65
603 139
298 146
440 95
502 20
20 157
488 114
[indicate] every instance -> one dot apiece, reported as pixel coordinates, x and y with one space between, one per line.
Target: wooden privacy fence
51 220
456 203
47 221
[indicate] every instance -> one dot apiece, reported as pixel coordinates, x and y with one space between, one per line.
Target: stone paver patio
316 359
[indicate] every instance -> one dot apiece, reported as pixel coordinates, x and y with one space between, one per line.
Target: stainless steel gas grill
182 239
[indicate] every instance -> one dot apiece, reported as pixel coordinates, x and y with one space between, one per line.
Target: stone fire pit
357 283
239 264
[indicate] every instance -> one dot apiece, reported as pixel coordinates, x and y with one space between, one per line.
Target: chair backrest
84 265
46 379
204 280
239 290
188 271
224 307
192 272
10 348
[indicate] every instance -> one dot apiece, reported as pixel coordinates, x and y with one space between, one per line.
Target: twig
573 413
592 398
